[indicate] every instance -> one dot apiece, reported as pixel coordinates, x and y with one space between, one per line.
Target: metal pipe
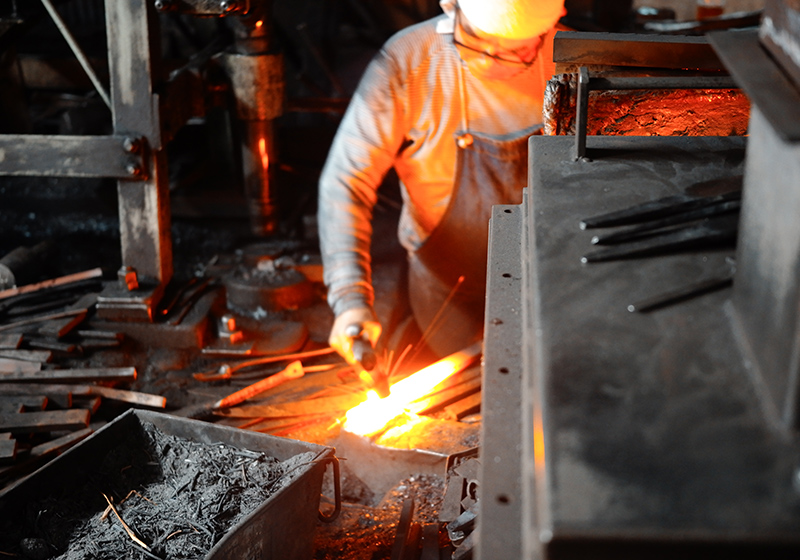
76 49
256 73
258 156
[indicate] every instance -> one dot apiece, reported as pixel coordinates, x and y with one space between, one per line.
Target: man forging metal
449 103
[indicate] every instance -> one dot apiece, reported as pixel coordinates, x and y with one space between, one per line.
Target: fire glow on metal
371 416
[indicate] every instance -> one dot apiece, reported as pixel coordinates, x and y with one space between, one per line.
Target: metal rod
582 113
678 82
76 49
681 294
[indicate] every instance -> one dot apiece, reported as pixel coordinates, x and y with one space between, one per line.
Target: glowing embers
371 416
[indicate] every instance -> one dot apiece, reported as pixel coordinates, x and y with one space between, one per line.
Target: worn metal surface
143 205
630 49
68 156
500 503
764 82
118 303
257 82
642 435
780 34
766 289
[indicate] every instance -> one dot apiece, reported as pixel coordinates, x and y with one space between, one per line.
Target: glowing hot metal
372 415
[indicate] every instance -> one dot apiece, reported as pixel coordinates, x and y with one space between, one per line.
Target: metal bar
681 294
709 231
76 49
630 49
635 232
677 82
581 113
67 156
500 508
655 209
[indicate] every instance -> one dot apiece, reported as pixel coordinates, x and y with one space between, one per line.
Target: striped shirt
414 97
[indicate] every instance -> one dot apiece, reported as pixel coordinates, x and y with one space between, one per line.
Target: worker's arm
362 152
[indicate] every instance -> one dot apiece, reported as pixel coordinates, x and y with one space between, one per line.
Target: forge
636 391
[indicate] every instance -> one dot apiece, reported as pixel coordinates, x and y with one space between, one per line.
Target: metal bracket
587 83
35 155
337 490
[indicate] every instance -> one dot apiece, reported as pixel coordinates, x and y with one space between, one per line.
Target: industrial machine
149 103
635 405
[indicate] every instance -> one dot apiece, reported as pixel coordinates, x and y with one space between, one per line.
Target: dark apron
488 172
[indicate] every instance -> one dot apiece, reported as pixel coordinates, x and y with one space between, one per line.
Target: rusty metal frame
143 205
587 83
135 152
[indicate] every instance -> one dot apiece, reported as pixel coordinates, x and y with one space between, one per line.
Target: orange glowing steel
372 415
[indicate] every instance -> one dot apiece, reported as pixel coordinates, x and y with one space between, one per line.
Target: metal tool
649 228
660 208
367 365
681 294
709 231
293 371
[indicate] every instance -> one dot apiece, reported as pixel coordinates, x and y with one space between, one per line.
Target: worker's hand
359 322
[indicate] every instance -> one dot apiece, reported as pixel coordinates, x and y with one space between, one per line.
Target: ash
177 496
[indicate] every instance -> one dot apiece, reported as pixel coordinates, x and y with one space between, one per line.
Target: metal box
282 527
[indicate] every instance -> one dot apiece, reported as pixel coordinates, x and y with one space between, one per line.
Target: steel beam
69 156
630 49
143 205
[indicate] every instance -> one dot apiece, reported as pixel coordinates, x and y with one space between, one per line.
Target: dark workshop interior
166 385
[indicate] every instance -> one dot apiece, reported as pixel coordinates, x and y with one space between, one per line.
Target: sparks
372 415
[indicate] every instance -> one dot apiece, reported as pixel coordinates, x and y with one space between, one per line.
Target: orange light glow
262 149
259 23
372 415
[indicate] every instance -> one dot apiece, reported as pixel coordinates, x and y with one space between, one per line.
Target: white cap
513 19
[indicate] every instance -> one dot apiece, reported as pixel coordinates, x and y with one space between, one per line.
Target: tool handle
364 354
